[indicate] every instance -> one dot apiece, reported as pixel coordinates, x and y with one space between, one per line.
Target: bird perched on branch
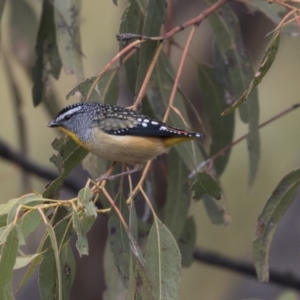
119 134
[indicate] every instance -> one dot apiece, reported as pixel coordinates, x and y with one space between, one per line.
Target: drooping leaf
154 17
48 276
221 127
124 247
235 72
216 210
68 269
7 260
82 242
274 209
131 22
118 238
115 288
85 200
70 155
205 184
23 261
48 270
48 61
67 26
187 242
164 262
178 195
264 66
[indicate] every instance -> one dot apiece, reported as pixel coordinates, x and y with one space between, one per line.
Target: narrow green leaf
221 128
264 66
154 18
30 200
7 260
23 261
48 61
178 195
235 71
132 22
9 293
114 286
47 269
3 220
67 25
52 236
274 209
118 238
205 184
164 262
70 155
123 245
82 242
48 276
29 222
85 200
68 269
216 210
187 242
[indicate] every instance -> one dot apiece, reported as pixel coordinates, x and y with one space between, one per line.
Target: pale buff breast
126 149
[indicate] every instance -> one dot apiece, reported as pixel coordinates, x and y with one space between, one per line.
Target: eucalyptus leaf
23 261
235 72
274 209
221 127
205 184
132 21
154 17
164 262
178 195
7 260
48 61
70 155
85 200
67 26
68 269
187 242
82 242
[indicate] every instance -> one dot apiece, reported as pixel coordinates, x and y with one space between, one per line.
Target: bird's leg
137 167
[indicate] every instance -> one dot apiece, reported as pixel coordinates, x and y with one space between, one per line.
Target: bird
119 134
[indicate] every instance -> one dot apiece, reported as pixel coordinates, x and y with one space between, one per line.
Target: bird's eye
67 117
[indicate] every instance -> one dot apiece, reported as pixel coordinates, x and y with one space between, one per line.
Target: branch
286 279
25 164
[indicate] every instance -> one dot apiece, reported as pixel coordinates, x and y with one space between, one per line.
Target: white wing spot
162 127
146 120
144 124
139 119
154 123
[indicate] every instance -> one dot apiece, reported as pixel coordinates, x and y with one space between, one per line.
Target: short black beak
53 124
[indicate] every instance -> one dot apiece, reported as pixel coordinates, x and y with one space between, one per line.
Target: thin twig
179 71
226 148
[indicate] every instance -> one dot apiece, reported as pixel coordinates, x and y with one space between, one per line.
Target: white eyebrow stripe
69 112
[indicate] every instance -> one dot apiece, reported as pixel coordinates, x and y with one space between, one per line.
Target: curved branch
286 279
25 164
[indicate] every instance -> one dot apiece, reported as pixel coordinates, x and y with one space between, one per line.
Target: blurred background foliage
99 23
